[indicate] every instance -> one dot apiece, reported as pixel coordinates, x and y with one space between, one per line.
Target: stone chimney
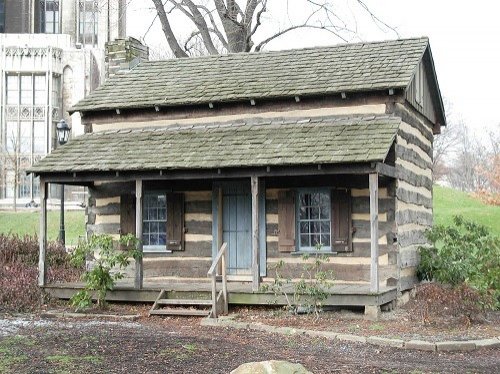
124 54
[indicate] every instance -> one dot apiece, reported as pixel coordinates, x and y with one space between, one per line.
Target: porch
239 293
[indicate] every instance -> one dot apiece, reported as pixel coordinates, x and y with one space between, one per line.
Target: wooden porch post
138 232
42 266
255 233
374 282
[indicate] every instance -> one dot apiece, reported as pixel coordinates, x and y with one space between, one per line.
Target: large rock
271 367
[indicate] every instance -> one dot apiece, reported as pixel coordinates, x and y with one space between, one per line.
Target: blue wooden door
237 226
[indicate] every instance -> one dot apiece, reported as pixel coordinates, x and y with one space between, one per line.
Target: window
314 224
313 217
40 95
25 138
154 235
88 21
39 143
49 16
56 90
12 90
2 16
26 89
11 137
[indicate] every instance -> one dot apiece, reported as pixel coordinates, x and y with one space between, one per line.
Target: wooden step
180 312
183 302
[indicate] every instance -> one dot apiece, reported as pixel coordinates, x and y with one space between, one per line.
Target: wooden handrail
212 273
216 260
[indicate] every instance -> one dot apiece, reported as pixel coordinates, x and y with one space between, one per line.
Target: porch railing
221 297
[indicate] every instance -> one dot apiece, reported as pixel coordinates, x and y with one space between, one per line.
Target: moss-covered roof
245 143
359 67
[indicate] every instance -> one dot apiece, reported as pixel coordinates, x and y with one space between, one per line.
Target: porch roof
245 143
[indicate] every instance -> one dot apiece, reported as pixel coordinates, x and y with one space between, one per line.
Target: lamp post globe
62 130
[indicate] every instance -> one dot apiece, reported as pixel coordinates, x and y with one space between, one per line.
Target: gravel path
179 345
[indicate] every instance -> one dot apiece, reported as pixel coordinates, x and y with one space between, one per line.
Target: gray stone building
52 54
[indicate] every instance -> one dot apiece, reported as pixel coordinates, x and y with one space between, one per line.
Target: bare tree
15 161
233 26
470 156
446 143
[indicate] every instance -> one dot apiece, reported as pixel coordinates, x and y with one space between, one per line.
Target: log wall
414 212
103 217
350 266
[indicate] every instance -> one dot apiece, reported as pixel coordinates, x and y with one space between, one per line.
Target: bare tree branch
167 30
216 30
201 25
236 28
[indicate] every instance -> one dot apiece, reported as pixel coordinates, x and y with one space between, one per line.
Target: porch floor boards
341 294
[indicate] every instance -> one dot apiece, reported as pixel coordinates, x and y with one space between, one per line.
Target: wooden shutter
286 221
175 221
341 221
127 214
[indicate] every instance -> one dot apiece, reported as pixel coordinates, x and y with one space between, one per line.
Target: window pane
314 220
25 139
11 137
12 89
39 137
154 220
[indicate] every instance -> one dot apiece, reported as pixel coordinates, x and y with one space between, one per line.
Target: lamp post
63 131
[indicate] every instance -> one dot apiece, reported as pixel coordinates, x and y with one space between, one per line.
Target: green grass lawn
23 223
449 202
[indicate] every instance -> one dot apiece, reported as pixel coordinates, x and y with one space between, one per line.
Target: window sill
312 253
156 253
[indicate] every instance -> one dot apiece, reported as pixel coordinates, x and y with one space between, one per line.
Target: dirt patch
181 345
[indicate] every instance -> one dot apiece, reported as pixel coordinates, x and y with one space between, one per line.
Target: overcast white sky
464 37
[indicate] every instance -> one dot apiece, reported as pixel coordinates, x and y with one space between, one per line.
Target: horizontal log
109 209
104 219
423 155
341 272
414 237
198 227
411 197
177 267
198 207
271 206
271 229
101 202
362 205
107 189
412 216
408 165
199 248
198 196
365 192
104 228
412 120
413 178
363 229
406 283
412 139
411 156
409 256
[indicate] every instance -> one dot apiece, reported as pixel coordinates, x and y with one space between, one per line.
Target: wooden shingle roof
249 143
356 67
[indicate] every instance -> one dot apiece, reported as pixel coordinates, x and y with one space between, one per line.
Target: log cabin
275 154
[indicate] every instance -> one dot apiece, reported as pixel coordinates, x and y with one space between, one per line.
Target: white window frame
146 221
298 220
